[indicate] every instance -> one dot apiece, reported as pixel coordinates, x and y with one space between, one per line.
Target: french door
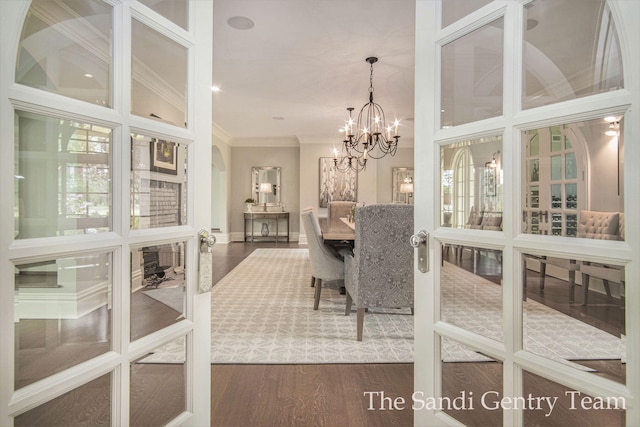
547 126
106 134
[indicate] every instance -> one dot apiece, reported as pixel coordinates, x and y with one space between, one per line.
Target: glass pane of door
158 292
94 397
471 184
176 11
62 177
158 387
553 29
471 291
581 178
66 48
452 10
570 407
158 82
471 384
158 183
574 313
63 314
472 65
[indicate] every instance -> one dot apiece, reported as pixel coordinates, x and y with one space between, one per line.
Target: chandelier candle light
372 137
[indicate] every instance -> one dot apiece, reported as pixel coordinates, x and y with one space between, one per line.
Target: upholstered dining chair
335 211
602 226
379 273
325 266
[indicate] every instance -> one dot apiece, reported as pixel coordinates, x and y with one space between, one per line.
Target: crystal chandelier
371 138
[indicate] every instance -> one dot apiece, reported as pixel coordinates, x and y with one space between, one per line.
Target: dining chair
335 211
325 266
379 273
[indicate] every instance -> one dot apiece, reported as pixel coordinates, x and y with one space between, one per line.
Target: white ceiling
304 62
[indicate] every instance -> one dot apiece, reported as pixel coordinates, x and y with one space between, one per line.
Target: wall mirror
265 184
402 185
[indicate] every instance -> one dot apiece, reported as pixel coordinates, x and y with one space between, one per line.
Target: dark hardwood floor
325 395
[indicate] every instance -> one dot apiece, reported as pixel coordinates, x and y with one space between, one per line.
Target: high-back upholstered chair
325 266
380 271
591 225
335 211
602 226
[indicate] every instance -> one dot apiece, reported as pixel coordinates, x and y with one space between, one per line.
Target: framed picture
164 157
336 185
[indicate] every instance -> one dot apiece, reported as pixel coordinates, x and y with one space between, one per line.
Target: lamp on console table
265 188
407 188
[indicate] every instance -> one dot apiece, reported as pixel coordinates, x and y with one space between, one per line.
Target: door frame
428 136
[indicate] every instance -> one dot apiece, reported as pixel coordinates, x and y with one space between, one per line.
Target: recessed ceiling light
240 23
610 119
277 118
88 75
215 88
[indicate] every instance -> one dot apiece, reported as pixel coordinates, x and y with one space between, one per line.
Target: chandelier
371 139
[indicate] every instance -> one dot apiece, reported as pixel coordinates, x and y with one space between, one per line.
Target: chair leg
347 309
543 273
316 301
572 285
585 288
360 322
313 281
607 289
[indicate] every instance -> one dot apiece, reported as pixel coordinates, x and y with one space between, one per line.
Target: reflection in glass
63 314
595 65
575 167
157 288
468 376
452 10
176 11
402 185
87 405
158 385
65 48
158 82
471 184
158 183
62 177
472 76
571 407
573 312
473 301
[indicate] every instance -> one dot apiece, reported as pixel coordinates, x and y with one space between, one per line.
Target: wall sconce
492 163
613 129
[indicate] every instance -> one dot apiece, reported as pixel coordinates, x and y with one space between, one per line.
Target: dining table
339 239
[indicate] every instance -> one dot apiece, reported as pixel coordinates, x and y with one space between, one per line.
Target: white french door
105 112
491 75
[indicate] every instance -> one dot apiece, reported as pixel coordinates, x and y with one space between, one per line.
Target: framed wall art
164 156
336 185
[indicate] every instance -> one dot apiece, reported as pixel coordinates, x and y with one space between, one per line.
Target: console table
266 226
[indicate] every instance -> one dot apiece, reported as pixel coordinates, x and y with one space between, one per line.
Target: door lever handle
420 241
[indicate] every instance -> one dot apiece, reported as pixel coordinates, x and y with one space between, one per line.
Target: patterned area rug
263 313
474 303
169 296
